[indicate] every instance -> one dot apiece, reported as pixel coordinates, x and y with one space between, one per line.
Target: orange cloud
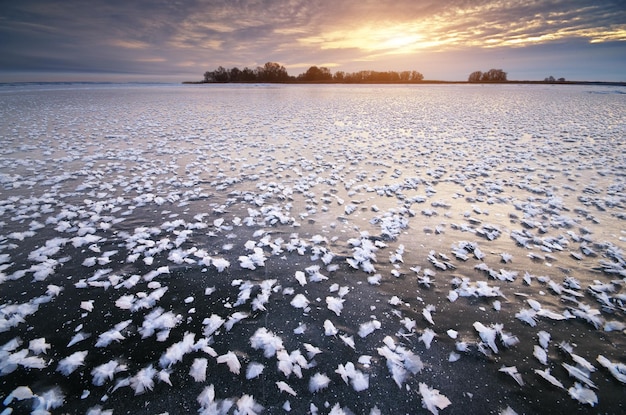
485 26
129 44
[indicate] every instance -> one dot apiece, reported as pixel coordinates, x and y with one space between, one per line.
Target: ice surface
335 232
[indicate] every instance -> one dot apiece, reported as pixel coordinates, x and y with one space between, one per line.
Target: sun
402 41
387 38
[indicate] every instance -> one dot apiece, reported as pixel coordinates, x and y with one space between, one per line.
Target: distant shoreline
425 82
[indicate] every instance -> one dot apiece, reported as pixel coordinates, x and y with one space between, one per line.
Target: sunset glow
388 36
402 38
447 31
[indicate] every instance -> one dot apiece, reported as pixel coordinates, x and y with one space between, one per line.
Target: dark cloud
186 37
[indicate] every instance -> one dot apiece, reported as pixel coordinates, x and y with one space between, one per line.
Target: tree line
492 75
273 72
551 79
270 72
498 75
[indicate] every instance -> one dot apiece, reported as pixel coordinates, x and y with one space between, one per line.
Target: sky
179 40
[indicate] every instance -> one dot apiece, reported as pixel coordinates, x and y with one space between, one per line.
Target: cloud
129 44
119 36
482 25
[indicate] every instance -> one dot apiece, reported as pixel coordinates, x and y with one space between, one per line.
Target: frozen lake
244 249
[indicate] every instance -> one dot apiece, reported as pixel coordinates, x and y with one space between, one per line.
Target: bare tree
475 76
